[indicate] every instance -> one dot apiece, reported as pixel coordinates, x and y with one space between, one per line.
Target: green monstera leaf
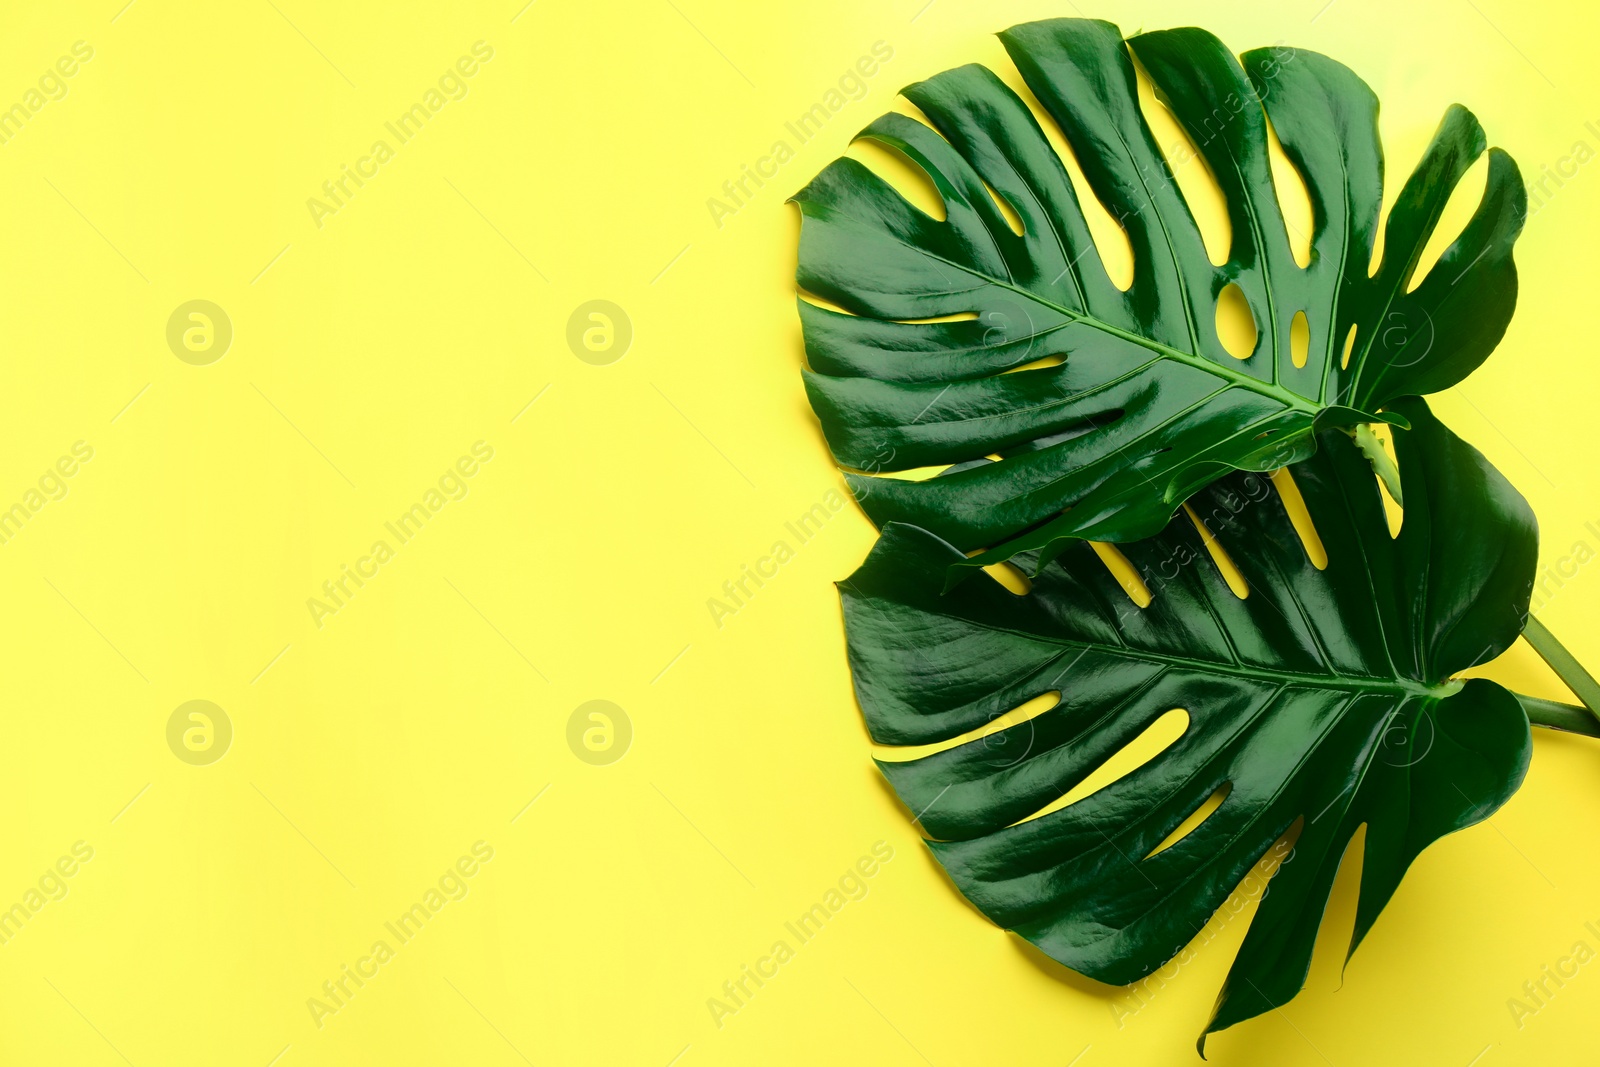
1322 699
1144 404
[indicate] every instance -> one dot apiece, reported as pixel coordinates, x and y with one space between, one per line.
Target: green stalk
1554 715
1566 666
1378 456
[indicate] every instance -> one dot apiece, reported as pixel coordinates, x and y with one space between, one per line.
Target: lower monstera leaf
1321 699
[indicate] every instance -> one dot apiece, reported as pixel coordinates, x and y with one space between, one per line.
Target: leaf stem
1565 664
1554 715
1378 456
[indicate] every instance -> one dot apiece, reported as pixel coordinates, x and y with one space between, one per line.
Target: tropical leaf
1144 404
1323 699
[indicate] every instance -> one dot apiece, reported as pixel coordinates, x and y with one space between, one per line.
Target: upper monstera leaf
1147 404
1323 697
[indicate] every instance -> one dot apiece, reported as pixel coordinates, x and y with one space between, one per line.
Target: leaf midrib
1340 682
1288 398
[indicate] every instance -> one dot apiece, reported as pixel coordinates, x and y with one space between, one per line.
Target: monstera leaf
1323 700
1143 404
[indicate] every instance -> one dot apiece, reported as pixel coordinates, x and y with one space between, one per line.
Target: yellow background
372 752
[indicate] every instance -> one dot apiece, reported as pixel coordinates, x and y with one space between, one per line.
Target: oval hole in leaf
903 174
1124 572
1039 364
1293 200
1008 212
1300 517
911 474
1299 339
1457 213
1029 709
1151 742
1191 173
959 316
1011 577
1349 347
1219 556
1198 816
1236 324
824 302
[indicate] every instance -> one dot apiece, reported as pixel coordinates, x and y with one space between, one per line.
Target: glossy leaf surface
1322 700
1143 404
